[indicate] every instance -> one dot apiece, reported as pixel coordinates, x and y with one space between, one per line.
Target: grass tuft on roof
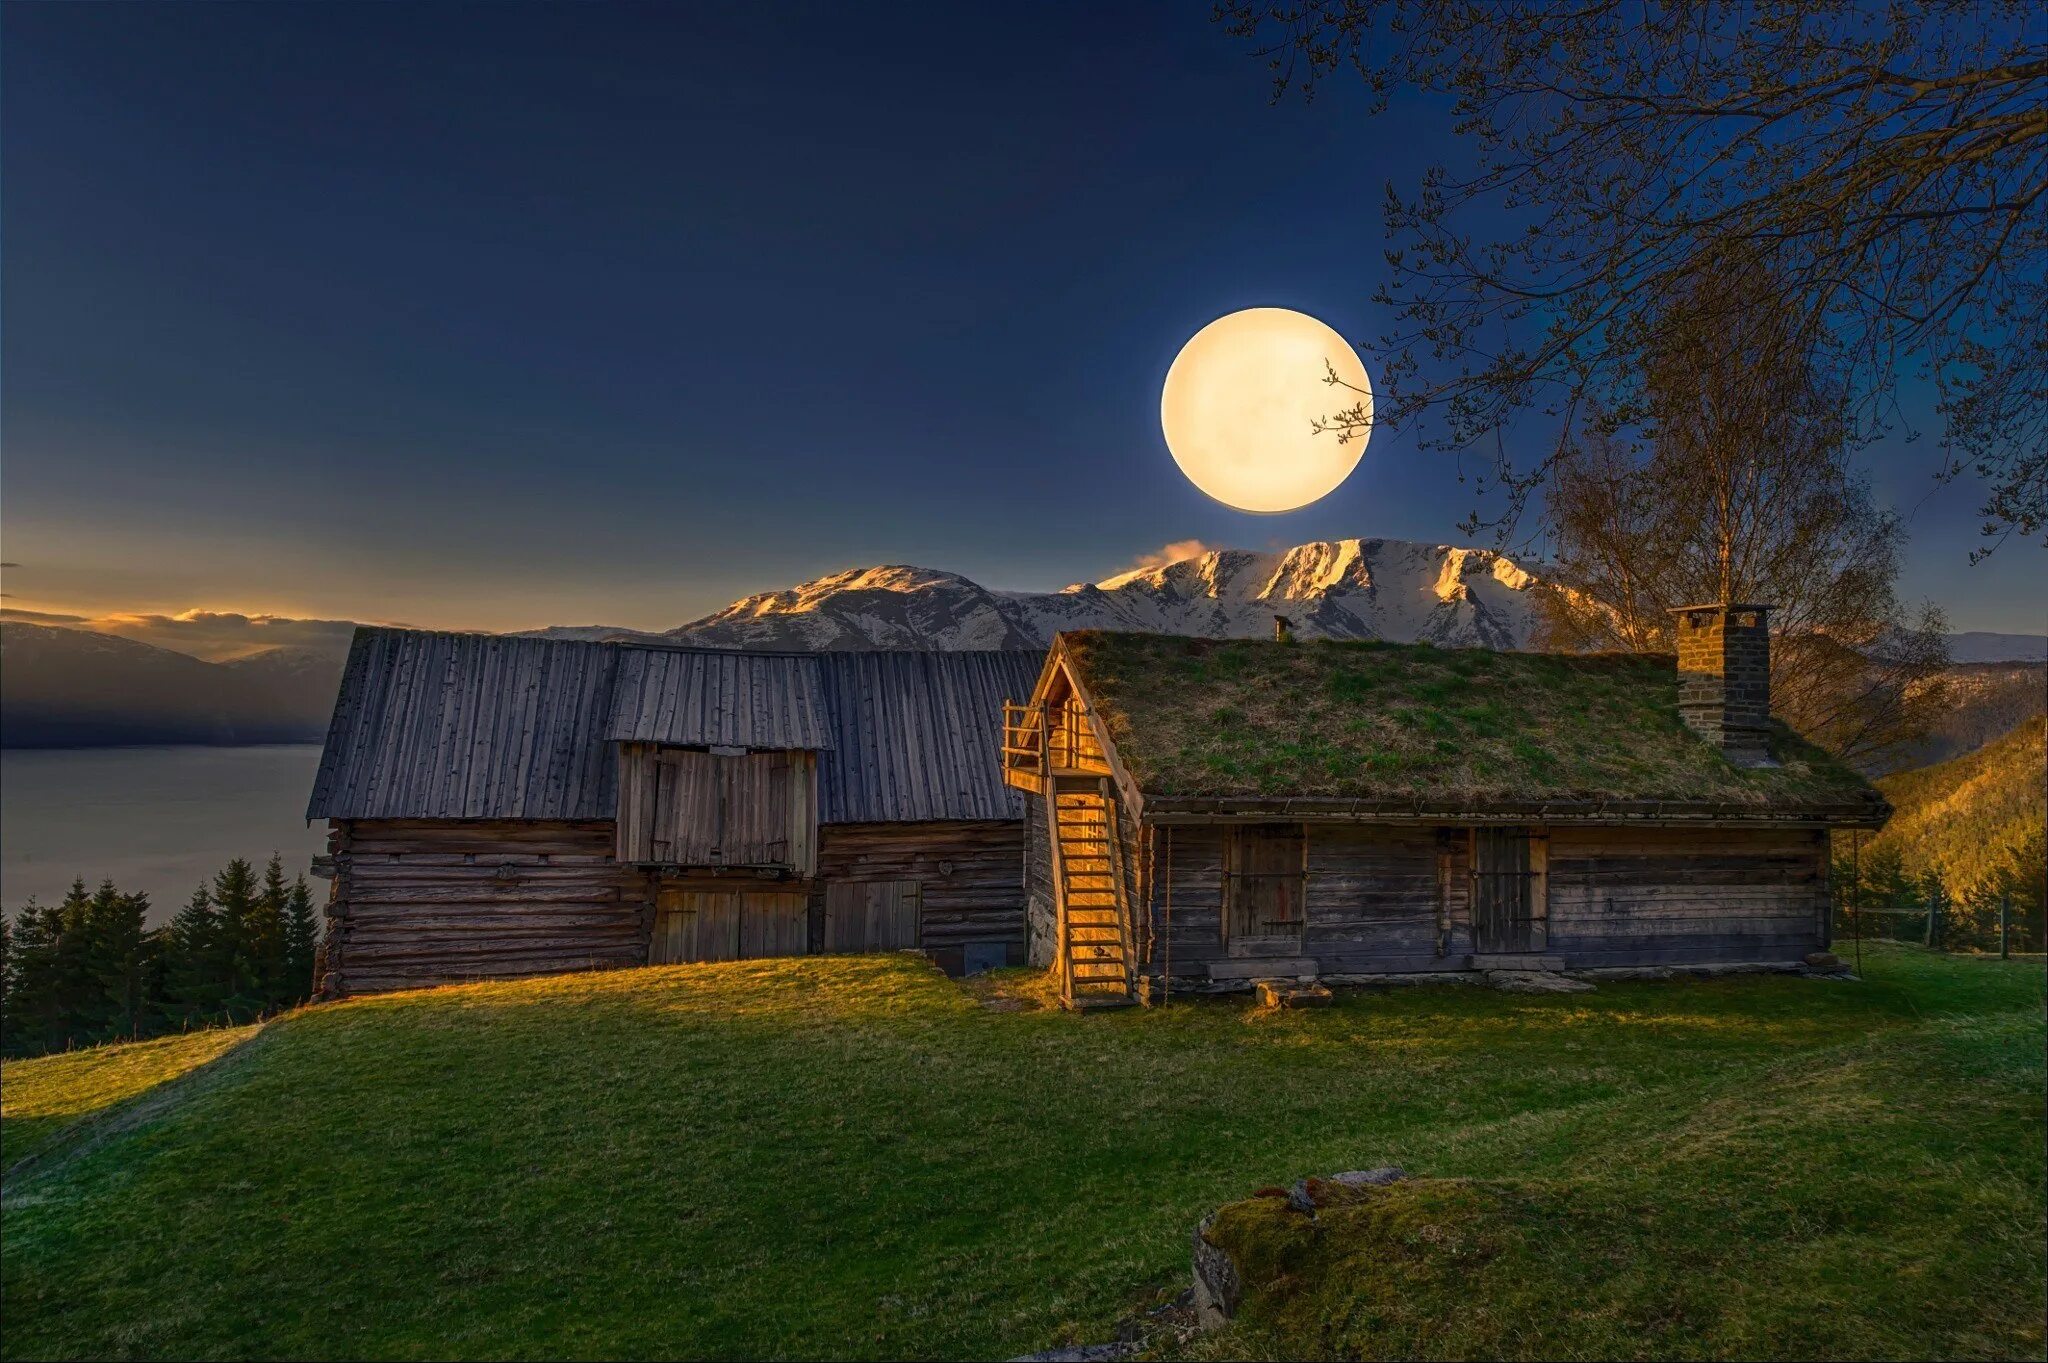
1197 718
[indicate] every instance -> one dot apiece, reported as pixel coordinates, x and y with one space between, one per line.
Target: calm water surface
154 819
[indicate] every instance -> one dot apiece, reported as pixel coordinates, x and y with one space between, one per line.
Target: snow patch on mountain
1338 589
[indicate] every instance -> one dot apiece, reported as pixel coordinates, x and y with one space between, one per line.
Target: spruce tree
191 951
267 944
301 937
237 958
75 972
117 949
6 974
36 1003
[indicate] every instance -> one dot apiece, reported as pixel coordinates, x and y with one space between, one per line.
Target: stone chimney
1724 678
1283 630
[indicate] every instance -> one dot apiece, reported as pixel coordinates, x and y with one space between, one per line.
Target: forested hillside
1964 817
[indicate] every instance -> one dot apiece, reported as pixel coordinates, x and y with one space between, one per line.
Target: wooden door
726 925
1509 891
873 915
1264 883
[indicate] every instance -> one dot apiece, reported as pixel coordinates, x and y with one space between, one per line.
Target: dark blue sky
498 316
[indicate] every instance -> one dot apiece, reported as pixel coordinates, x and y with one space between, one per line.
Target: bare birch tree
1885 160
1737 485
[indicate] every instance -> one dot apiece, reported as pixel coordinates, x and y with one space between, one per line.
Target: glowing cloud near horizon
1240 402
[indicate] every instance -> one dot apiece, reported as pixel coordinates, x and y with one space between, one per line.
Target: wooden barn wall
420 902
1626 896
1040 898
970 876
1381 899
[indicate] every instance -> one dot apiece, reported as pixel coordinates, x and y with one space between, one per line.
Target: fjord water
156 819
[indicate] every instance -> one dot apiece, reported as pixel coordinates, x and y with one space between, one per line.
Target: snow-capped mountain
1339 589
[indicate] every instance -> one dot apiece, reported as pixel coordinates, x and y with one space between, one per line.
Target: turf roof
1471 727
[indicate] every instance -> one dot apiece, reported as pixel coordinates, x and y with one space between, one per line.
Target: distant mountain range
1337 589
64 687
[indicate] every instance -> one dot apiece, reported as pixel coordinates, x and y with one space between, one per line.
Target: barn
503 806
1204 813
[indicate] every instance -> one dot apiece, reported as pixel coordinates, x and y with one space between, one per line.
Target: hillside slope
852 1157
1964 816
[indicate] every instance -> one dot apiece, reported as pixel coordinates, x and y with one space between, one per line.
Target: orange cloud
1171 552
216 636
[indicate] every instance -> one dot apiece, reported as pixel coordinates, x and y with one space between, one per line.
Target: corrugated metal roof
477 726
920 735
699 698
469 726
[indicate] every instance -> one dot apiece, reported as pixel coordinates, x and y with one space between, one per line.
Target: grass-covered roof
1196 719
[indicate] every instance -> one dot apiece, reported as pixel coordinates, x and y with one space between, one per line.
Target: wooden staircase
1087 863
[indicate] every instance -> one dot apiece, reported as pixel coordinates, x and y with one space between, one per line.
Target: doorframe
1256 945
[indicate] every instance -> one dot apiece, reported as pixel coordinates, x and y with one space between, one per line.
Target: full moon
1240 403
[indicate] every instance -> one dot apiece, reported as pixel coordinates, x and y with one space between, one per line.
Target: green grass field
853 1156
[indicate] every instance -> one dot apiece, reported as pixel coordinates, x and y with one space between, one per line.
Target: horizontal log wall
419 902
969 873
1626 896
1392 899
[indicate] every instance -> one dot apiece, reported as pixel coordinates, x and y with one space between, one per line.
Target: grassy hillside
1964 816
855 1156
62 1093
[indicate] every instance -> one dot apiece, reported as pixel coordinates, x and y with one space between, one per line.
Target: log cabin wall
1386 899
1378 899
967 877
1645 896
418 902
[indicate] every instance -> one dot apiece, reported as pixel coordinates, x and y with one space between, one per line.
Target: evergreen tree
301 937
117 950
2020 882
6 975
238 946
74 970
191 950
267 945
37 1006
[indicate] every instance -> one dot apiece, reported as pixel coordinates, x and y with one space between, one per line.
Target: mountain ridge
68 686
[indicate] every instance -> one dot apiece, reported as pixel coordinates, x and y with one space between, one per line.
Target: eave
1167 809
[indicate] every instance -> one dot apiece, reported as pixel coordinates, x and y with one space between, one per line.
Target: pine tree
75 971
37 1003
267 945
301 937
237 960
6 975
191 952
117 951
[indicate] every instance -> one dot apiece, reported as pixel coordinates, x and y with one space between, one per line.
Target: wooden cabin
508 806
1208 813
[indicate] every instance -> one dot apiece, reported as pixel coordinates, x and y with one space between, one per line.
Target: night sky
500 316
